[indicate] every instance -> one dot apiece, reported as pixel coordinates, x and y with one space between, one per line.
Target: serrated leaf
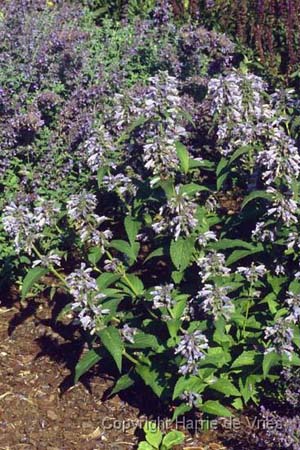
181 252
144 340
151 378
134 283
123 383
106 279
32 277
86 362
215 408
180 410
225 387
247 358
111 339
132 227
183 156
185 383
124 247
94 255
270 360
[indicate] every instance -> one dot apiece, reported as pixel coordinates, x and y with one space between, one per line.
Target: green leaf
225 387
134 283
192 189
221 166
156 253
124 247
181 252
173 438
106 279
247 358
180 410
239 152
86 362
32 276
221 179
236 255
254 195
110 338
144 340
184 384
238 403
173 327
151 378
221 173
94 255
183 156
216 408
177 276
100 175
123 383
270 360
132 227
153 434
224 244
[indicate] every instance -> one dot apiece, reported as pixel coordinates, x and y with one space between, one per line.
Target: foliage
156 440
121 146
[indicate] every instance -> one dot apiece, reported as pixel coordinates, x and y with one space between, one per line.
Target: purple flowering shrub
122 145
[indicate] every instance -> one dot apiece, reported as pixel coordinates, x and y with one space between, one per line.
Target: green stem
131 358
123 273
51 268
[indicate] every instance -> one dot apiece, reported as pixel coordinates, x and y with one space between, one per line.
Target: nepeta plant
128 162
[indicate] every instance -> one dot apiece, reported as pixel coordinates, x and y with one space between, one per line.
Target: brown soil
41 409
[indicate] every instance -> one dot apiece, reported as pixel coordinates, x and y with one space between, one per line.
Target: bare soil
40 408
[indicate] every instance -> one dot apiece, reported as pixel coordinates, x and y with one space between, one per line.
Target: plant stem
131 358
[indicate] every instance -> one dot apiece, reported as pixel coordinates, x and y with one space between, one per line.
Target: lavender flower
80 208
205 237
211 265
284 208
83 287
178 215
281 334
216 302
293 302
52 259
128 333
191 346
193 399
262 234
162 296
252 273
25 225
112 265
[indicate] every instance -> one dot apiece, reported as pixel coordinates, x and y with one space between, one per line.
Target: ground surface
39 406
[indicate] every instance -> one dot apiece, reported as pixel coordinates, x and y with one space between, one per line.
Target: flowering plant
198 300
